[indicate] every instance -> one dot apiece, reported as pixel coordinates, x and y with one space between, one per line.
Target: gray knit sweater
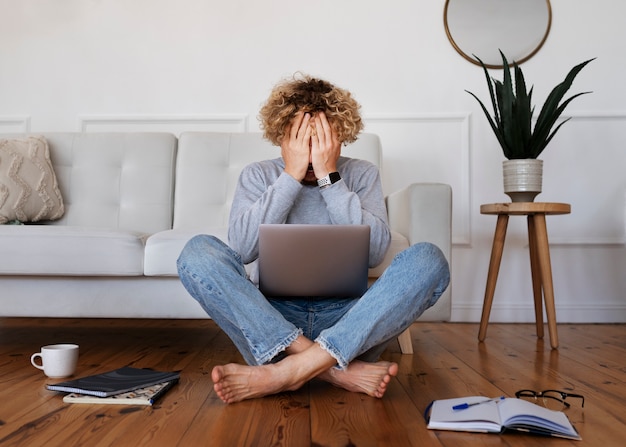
265 194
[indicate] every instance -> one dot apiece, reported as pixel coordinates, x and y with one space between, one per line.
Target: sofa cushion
398 243
164 247
29 191
64 250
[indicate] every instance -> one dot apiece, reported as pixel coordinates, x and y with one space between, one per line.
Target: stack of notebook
127 385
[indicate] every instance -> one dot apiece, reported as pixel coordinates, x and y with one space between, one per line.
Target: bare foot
363 377
234 382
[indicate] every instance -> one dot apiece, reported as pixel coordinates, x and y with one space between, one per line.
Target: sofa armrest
422 212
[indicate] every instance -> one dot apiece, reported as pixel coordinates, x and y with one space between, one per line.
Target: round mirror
484 27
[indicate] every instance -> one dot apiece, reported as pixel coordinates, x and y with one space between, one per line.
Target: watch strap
331 178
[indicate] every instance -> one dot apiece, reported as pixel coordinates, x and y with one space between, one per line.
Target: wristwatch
331 178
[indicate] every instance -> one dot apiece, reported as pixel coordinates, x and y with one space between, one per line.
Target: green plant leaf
524 110
551 110
513 111
542 135
493 125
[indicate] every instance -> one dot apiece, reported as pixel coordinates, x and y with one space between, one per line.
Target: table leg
536 275
543 255
492 276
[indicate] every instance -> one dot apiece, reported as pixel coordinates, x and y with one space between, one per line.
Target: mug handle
32 360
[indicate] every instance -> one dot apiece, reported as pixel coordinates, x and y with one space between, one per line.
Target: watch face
334 177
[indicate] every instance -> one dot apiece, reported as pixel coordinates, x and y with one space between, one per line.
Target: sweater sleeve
264 194
358 199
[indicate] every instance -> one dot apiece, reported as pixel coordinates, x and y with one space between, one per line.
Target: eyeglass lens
551 399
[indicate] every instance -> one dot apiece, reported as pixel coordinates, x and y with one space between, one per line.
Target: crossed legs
305 360
214 276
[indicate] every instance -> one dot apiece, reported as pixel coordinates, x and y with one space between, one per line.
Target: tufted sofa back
115 180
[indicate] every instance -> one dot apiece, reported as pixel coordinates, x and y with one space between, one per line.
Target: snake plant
513 111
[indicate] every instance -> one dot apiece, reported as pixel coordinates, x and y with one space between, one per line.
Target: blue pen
466 405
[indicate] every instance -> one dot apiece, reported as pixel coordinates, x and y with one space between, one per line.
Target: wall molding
521 313
15 124
458 167
164 123
600 115
386 125
576 135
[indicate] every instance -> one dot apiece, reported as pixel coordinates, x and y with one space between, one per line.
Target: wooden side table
540 267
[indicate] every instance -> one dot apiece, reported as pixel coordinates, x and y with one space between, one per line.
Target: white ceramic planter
522 179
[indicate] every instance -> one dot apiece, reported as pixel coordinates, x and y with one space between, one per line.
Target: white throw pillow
29 191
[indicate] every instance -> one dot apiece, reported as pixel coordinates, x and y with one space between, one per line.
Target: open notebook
316 261
482 414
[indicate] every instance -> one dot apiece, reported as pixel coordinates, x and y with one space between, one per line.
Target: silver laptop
315 261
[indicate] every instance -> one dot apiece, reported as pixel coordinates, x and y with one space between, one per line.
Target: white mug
57 360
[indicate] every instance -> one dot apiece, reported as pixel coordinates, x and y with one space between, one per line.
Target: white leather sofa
132 200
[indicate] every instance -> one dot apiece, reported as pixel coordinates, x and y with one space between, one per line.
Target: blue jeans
262 328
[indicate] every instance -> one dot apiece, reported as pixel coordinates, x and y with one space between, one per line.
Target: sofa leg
406 345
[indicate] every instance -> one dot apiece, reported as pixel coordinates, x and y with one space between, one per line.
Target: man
288 342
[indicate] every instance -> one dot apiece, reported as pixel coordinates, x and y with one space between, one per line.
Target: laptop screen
314 261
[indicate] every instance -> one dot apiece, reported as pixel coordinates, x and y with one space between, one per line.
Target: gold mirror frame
461 47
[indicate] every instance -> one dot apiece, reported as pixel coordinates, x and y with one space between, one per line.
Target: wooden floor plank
341 418
546 368
448 362
434 373
604 389
280 420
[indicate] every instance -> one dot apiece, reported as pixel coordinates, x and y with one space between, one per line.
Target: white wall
89 65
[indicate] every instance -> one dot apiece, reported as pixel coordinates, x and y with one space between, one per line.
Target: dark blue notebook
115 382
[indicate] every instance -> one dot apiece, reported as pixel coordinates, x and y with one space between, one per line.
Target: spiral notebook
141 396
115 382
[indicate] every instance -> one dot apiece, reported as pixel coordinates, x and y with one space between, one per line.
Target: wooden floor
448 362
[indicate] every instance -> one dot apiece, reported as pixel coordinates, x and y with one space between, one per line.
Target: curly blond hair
312 95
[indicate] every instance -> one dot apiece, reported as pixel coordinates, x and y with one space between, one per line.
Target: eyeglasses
552 399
